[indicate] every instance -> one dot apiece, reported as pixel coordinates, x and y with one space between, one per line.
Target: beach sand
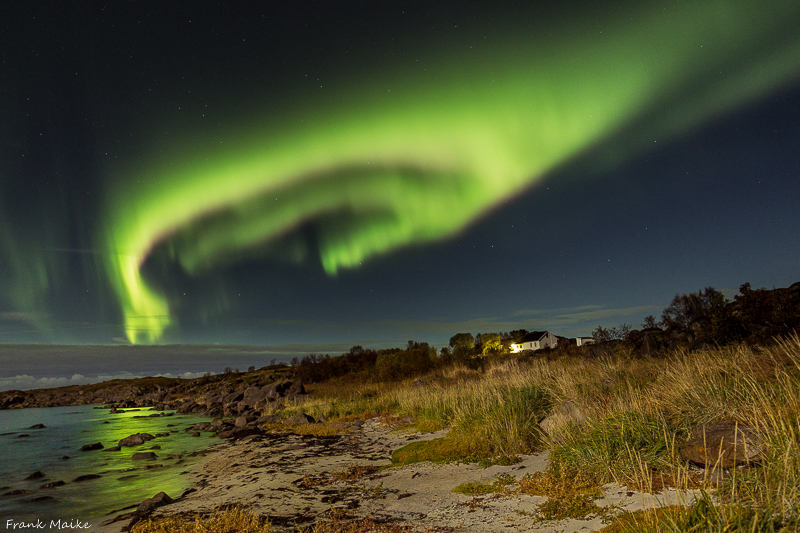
297 480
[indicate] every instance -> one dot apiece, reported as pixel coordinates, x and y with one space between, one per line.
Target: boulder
112 449
90 447
187 407
143 456
723 444
233 397
237 434
252 397
17 492
135 439
217 423
35 475
39 499
215 411
299 419
564 413
86 477
37 426
296 391
268 419
158 500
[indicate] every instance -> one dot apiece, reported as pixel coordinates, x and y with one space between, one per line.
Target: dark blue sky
606 236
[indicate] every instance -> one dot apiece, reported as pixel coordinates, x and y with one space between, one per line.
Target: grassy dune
638 413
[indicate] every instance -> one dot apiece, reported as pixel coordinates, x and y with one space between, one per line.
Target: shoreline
297 480
70 462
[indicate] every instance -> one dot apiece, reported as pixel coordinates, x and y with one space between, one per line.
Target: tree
462 344
491 343
517 335
649 322
690 316
619 333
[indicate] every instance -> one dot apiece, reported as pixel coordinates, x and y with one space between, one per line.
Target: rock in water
135 439
156 501
139 456
90 447
86 477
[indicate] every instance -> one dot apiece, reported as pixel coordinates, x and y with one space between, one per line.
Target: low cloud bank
26 382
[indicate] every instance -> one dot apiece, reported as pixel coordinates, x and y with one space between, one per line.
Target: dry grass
222 521
354 473
553 486
638 414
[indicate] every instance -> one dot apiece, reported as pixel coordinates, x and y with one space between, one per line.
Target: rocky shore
246 395
297 480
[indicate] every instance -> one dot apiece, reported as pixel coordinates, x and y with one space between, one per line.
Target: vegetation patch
704 517
559 486
568 496
444 450
628 447
354 473
580 506
364 525
223 520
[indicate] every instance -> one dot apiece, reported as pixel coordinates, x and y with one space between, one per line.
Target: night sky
340 173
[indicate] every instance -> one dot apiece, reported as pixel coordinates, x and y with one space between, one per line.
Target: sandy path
290 479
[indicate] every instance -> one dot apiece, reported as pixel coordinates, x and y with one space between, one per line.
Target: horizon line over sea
28 366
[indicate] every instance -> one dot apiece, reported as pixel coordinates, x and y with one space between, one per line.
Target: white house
580 341
535 340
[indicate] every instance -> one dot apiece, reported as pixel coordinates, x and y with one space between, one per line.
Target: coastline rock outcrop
231 394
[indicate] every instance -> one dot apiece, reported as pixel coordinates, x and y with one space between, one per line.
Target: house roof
533 336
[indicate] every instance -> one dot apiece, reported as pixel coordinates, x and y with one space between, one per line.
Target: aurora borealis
306 159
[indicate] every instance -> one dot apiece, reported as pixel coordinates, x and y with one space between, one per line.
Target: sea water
55 451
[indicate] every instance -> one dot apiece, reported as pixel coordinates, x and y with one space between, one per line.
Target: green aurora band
413 161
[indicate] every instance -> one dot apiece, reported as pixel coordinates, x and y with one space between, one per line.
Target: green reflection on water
123 483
